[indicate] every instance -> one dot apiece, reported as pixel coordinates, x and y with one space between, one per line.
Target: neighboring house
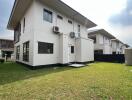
49 32
102 41
6 48
124 46
118 47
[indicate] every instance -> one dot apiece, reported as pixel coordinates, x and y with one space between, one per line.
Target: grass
97 81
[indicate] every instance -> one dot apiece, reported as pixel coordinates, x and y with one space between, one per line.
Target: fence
116 58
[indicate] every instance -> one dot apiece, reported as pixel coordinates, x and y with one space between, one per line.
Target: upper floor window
48 15
79 30
17 33
59 17
23 25
69 21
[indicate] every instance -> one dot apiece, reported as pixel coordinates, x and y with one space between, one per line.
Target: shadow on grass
12 72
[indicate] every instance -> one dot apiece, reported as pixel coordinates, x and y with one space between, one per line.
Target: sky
115 16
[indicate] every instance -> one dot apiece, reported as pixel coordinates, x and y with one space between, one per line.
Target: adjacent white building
49 32
6 48
118 47
102 41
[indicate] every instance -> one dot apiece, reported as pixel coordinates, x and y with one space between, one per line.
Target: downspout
75 33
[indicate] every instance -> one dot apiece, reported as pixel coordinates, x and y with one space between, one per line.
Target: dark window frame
17 52
24 23
45 48
17 33
79 30
114 53
70 22
60 17
47 15
98 51
72 49
26 51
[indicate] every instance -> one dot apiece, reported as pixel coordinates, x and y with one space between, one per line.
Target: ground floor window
114 53
26 51
45 48
17 52
72 49
98 52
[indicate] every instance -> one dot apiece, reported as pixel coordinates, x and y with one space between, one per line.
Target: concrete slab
77 65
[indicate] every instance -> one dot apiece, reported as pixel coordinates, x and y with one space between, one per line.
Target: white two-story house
102 41
50 32
118 47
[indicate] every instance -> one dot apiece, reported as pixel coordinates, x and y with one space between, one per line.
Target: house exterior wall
114 47
123 49
39 30
118 47
87 50
103 43
27 35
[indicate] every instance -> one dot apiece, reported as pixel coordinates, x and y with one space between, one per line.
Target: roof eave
13 8
13 21
102 31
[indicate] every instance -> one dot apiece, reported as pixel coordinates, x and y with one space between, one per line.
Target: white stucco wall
28 35
87 50
103 43
114 46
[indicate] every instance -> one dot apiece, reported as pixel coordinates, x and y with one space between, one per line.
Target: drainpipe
75 37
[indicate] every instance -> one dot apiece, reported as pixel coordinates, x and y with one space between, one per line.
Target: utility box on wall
128 56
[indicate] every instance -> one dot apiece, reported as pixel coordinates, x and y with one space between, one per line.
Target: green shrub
2 60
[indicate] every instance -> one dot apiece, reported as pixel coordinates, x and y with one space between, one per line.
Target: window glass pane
45 48
79 30
59 17
23 25
17 33
69 21
17 52
50 18
48 15
72 49
26 51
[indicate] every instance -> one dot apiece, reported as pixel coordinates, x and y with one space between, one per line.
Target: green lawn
97 81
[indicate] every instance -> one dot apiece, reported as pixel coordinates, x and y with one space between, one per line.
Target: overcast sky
115 16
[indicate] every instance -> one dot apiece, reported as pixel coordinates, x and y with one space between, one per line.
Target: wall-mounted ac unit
56 29
72 35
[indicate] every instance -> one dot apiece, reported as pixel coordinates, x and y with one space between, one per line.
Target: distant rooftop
101 31
6 39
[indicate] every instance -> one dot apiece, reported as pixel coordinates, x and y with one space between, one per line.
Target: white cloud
130 12
98 11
